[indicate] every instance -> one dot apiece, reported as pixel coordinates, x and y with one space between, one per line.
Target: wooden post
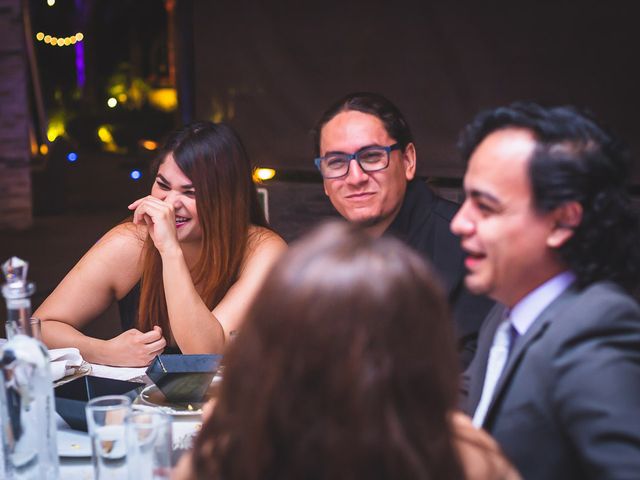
15 175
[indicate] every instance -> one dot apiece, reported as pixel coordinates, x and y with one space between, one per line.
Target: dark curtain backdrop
272 67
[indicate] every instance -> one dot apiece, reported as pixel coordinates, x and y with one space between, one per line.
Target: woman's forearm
194 328
56 334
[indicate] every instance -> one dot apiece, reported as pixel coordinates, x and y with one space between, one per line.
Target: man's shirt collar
531 306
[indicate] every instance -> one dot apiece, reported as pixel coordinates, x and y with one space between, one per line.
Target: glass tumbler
106 425
149 442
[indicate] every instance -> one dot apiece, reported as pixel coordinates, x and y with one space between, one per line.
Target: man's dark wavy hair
373 104
575 159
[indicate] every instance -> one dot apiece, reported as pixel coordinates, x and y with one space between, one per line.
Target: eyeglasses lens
370 160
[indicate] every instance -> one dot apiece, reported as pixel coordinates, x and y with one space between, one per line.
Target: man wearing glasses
365 153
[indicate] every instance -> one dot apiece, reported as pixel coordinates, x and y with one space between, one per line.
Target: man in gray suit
549 232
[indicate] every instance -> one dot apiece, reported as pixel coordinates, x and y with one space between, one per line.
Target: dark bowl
72 397
184 378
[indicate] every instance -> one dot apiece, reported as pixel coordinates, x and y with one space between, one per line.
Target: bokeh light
262 174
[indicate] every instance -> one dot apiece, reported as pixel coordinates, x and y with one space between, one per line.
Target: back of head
345 368
576 159
373 104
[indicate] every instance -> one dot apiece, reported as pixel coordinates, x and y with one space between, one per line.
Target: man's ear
409 161
567 218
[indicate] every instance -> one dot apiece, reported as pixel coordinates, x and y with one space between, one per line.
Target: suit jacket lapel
535 331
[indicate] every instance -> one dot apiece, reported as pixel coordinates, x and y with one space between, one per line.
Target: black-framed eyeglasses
370 159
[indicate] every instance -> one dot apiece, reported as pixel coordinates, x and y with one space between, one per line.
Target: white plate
153 397
184 433
72 443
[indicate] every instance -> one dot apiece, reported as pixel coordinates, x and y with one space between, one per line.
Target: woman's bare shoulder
123 240
117 252
481 456
263 238
126 232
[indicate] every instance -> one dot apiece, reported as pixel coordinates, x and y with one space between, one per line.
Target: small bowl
183 378
72 397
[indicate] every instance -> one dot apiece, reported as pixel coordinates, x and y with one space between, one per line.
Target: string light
59 41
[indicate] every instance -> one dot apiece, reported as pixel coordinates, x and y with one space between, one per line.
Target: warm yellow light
51 3
112 102
39 36
33 145
122 97
262 174
55 129
165 99
60 42
79 36
73 40
149 144
44 149
47 38
67 41
104 134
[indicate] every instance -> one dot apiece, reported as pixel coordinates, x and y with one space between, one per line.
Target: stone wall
15 179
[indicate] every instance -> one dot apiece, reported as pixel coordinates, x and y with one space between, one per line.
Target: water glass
149 442
106 424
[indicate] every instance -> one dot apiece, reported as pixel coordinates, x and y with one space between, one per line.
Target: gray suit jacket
567 405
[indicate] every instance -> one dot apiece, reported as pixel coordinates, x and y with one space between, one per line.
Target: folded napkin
64 361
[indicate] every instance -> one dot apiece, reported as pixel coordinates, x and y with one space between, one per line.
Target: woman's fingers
134 348
156 347
150 336
135 204
152 210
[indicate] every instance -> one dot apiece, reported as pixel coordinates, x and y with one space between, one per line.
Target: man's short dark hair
575 159
373 104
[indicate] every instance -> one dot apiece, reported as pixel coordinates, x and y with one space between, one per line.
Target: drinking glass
149 442
106 424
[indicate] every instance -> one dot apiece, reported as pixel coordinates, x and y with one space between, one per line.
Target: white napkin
64 361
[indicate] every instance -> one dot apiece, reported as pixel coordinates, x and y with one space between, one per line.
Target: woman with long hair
184 267
344 368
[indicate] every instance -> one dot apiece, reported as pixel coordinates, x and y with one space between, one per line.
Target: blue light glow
72 156
135 174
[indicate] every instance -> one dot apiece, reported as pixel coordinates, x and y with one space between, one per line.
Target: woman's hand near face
134 348
159 217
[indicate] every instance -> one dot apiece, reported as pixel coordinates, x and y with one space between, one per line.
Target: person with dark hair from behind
549 232
367 157
183 269
344 368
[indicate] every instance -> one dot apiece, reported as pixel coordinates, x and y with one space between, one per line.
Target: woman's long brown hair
212 156
345 368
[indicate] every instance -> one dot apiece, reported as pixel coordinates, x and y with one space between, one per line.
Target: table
81 468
